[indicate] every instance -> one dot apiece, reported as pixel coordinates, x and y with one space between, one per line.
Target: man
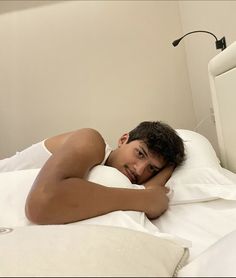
147 155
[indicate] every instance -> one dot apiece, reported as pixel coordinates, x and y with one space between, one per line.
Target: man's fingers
167 189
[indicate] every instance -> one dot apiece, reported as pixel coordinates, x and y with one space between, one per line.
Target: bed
193 238
197 228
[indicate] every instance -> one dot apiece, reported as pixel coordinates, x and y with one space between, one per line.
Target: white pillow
111 177
200 177
87 251
199 151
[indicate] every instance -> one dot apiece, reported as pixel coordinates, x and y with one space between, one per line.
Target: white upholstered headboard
222 76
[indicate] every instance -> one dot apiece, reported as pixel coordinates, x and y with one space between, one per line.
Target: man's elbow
37 211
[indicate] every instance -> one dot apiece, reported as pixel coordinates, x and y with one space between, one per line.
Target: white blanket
14 188
188 187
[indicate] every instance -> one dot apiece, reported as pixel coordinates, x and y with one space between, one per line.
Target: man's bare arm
60 193
161 178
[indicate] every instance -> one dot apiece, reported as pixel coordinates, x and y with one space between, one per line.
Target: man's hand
158 201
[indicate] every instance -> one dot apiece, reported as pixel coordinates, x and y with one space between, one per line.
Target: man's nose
140 167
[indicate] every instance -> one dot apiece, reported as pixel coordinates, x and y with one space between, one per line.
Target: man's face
135 161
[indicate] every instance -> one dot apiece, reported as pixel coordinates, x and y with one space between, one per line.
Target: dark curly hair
161 139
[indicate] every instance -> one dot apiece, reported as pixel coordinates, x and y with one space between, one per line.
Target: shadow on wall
12 6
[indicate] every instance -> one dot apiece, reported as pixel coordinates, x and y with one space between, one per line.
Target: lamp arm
200 31
220 44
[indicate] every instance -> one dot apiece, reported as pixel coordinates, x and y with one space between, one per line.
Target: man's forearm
76 199
161 178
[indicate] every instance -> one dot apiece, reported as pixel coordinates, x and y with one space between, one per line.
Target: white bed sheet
202 223
217 261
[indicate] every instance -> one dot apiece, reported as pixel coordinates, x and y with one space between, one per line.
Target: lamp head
176 42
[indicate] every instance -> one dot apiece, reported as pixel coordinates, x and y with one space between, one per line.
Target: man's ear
123 139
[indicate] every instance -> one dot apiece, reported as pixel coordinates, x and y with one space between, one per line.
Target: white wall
219 18
102 64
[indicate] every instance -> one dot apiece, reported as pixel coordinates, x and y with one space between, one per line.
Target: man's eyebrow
144 151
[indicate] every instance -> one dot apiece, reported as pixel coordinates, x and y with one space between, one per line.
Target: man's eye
140 154
152 169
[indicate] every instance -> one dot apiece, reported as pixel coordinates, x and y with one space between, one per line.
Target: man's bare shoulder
87 131
78 152
86 142
86 137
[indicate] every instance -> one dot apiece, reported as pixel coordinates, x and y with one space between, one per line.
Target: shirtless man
147 155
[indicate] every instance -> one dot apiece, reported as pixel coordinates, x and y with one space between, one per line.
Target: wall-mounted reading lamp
220 44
